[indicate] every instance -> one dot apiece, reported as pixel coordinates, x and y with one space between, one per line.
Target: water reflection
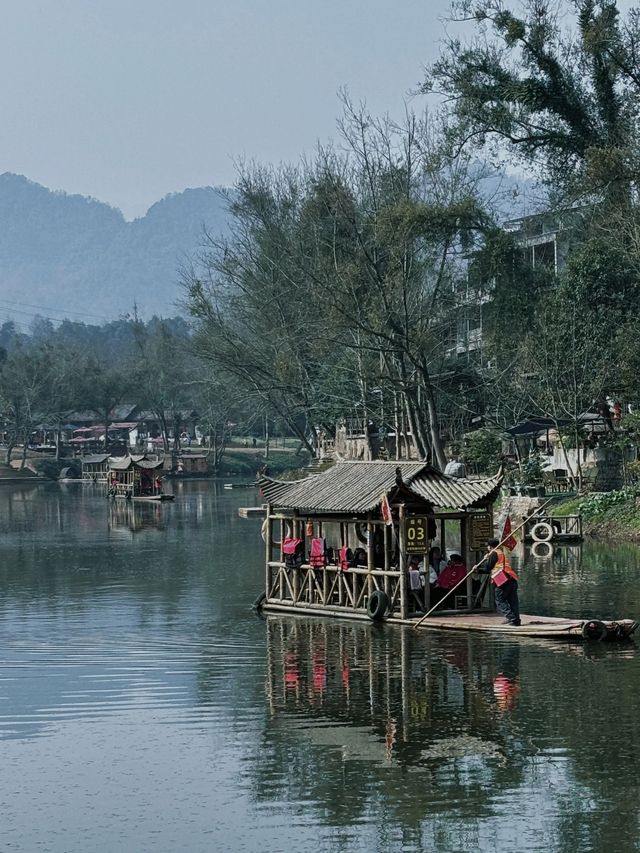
129 517
442 727
580 581
141 700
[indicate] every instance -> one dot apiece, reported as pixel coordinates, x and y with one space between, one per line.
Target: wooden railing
330 587
563 525
572 525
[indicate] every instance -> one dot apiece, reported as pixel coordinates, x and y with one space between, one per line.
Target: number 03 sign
415 535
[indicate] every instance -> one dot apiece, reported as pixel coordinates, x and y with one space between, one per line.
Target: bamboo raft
420 507
540 627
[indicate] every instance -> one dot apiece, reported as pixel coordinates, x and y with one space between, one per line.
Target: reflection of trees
592 580
57 548
590 711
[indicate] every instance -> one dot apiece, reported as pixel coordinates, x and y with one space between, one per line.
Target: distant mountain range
72 256
64 253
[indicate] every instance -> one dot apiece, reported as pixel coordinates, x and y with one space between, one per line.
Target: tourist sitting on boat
359 557
436 563
416 573
452 574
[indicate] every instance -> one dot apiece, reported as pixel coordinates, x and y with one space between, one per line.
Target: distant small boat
153 498
228 486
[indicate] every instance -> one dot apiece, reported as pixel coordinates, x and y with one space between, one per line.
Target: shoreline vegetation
606 515
236 462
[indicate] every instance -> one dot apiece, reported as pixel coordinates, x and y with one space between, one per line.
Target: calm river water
143 706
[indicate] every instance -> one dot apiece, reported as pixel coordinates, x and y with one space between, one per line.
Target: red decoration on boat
507 539
385 510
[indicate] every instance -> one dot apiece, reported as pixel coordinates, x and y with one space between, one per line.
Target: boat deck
548 627
532 626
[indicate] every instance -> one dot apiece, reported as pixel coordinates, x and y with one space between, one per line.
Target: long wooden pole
477 565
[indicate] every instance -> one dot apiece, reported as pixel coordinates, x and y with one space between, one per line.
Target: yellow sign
480 529
415 535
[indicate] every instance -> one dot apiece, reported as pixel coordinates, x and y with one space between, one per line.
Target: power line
63 310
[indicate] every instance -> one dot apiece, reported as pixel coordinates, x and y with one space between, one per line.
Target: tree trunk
416 432
164 427
440 460
434 427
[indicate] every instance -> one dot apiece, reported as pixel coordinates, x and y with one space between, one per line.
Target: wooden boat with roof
388 511
137 478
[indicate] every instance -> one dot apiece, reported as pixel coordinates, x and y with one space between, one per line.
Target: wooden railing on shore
564 526
331 587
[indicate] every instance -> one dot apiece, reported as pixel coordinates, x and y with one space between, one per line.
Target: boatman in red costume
505 580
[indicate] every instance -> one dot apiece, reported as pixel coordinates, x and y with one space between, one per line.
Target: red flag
507 539
385 510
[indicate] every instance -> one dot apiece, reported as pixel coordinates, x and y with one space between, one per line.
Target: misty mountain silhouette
74 253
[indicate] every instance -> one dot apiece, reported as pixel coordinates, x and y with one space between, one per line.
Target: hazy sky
127 100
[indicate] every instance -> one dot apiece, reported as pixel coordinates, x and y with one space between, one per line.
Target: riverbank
235 463
606 515
243 463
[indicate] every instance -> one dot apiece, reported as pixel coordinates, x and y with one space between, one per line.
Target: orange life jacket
502 571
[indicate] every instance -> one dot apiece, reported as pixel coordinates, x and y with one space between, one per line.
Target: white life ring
542 550
542 532
275 543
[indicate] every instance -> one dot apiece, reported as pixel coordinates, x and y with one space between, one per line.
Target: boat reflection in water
391 697
127 518
448 736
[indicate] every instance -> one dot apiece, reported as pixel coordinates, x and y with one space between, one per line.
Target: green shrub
482 450
599 502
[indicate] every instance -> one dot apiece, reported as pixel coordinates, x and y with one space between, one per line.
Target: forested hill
78 254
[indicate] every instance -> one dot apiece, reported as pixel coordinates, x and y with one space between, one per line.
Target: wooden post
404 681
443 543
464 548
270 674
402 565
267 546
370 555
280 570
387 558
325 574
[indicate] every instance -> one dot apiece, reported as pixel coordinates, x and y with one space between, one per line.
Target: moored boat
137 478
347 543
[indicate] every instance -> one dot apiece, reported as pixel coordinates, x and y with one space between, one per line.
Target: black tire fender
378 604
594 629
